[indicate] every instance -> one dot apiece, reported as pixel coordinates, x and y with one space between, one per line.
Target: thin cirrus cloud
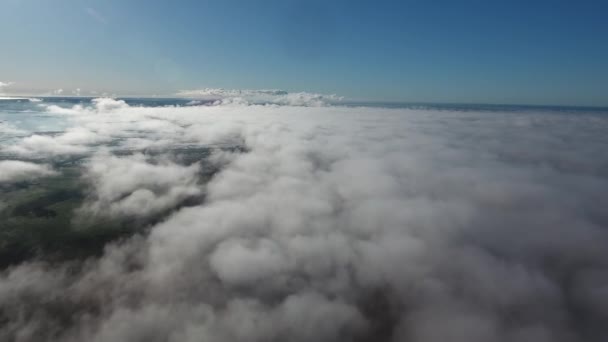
331 223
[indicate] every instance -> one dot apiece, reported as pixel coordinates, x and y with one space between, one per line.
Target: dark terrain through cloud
323 223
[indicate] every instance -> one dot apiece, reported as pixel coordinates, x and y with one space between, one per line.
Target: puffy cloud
100 105
336 223
74 141
244 262
15 170
137 186
109 104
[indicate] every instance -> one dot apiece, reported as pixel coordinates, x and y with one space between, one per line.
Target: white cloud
334 223
75 140
109 104
15 170
138 186
243 262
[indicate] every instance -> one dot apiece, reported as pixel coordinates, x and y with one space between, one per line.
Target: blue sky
529 52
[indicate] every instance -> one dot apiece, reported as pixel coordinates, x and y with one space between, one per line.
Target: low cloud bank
350 224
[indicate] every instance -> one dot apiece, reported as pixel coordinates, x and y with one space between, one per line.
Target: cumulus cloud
15 170
99 105
261 96
336 223
137 186
75 140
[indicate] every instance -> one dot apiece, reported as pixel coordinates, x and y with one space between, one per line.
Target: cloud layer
334 223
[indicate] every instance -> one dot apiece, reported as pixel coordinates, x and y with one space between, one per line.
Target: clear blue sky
508 51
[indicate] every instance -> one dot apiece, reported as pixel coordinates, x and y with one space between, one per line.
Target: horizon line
343 101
